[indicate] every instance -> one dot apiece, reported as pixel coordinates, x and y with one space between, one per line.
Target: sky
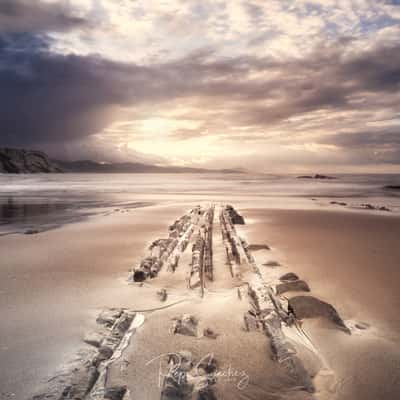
267 85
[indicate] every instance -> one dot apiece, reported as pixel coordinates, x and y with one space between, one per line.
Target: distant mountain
89 166
25 161
19 161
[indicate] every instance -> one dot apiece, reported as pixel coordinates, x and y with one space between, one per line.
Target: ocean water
45 201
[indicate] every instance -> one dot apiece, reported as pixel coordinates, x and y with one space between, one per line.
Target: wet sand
54 284
351 261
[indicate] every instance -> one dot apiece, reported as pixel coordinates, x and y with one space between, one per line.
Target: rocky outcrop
311 307
86 376
293 286
392 187
17 161
235 217
316 176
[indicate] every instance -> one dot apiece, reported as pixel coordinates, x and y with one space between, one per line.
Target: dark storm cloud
389 138
48 97
36 16
373 146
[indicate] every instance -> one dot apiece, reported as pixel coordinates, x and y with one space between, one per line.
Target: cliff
17 161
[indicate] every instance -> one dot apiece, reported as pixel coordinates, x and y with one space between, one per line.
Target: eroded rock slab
256 247
292 286
290 276
311 307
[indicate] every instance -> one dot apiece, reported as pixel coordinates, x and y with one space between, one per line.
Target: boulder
122 324
311 307
235 217
290 276
105 352
93 338
292 286
109 316
185 325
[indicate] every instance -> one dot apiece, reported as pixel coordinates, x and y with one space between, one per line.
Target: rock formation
16 161
316 176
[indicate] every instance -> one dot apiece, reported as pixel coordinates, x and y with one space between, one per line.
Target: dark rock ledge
77 379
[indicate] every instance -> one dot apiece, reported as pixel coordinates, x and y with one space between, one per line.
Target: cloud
58 96
38 16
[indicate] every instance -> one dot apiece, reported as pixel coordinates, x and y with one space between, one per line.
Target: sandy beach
55 283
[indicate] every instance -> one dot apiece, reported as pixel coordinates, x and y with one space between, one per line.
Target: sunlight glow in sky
264 84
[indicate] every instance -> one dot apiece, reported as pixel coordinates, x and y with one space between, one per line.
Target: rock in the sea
392 187
17 161
316 176
292 286
185 325
31 232
369 206
115 393
290 276
339 203
311 307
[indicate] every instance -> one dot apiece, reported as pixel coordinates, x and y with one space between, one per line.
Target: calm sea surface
46 201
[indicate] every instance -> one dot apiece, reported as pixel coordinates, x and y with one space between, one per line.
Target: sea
38 202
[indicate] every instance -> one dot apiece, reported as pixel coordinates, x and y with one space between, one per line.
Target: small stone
210 333
362 325
162 294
